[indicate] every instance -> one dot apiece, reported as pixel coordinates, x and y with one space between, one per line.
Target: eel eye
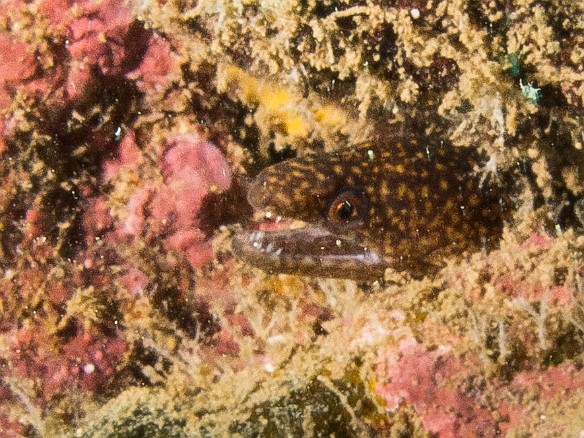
347 207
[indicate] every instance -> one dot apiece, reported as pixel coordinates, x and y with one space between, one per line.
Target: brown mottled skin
416 205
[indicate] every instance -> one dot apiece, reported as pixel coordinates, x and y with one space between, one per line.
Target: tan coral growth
447 69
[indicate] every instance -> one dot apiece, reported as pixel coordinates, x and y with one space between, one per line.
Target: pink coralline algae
192 168
533 291
436 384
88 358
97 37
92 45
564 380
16 64
427 380
96 220
127 154
97 34
153 73
134 281
555 385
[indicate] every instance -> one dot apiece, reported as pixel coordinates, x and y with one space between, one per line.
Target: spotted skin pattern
411 204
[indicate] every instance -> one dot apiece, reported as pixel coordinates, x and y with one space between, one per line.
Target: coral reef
128 131
191 168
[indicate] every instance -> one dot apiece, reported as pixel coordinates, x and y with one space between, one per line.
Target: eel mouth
308 251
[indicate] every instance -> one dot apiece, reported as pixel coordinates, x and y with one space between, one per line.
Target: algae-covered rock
128 133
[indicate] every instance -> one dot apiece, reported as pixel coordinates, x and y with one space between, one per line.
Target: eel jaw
311 251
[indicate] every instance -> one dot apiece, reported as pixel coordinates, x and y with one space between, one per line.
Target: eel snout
303 190
312 251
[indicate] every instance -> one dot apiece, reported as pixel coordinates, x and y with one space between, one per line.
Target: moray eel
400 204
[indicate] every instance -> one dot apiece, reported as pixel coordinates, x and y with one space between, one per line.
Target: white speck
370 155
257 245
89 368
269 367
338 242
489 169
415 13
275 339
278 251
444 349
268 214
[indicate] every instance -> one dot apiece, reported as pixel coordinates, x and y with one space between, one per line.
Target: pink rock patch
97 36
16 65
427 380
16 60
192 168
153 73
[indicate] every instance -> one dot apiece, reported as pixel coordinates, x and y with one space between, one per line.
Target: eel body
399 204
